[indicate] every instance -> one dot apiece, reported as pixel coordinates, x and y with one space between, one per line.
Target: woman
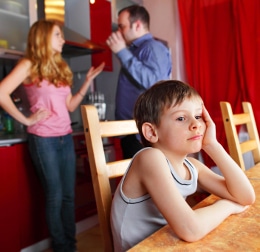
47 81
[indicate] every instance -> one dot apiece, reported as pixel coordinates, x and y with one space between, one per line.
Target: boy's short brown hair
150 105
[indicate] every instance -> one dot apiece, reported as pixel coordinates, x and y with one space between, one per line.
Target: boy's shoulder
147 151
147 157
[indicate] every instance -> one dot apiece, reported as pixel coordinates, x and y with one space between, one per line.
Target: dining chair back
102 171
232 124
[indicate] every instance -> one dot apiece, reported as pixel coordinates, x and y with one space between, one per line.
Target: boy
173 122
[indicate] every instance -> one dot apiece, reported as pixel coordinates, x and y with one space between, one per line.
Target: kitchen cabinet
16 18
22 214
9 191
32 222
85 204
101 27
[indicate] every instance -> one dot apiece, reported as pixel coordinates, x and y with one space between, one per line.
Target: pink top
52 98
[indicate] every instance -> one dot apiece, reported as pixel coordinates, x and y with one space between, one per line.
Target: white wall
164 24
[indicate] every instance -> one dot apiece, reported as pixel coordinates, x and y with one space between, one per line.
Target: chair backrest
101 170
231 123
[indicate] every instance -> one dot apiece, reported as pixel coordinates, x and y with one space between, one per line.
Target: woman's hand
74 101
39 115
93 72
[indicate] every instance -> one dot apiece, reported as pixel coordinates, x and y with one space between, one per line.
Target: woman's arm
9 84
74 101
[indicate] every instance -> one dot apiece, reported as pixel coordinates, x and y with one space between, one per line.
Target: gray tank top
132 220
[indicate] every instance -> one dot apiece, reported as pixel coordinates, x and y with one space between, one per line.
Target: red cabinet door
31 201
101 27
22 211
9 195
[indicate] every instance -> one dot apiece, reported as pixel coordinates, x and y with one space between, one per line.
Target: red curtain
221 50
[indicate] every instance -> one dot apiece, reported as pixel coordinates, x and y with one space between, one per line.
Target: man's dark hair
137 12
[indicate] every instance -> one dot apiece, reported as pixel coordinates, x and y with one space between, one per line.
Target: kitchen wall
165 24
106 81
162 14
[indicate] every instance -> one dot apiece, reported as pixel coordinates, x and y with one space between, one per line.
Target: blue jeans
54 160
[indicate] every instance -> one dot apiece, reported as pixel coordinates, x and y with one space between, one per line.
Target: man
144 61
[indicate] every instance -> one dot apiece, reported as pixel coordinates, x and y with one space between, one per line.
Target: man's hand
116 42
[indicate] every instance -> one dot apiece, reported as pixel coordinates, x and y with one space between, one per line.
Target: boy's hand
210 133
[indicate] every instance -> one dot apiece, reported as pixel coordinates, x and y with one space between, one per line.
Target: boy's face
182 127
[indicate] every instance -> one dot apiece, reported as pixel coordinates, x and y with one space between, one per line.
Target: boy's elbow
246 198
191 237
191 234
250 199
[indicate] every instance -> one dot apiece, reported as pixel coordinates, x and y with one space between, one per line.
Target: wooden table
240 232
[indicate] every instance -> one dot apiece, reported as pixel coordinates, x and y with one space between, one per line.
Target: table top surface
240 232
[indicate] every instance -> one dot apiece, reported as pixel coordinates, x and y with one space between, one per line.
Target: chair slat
248 146
117 128
231 121
241 119
117 168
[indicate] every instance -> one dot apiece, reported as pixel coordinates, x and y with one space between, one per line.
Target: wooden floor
88 241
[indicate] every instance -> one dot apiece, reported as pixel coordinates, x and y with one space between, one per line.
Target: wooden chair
231 121
101 171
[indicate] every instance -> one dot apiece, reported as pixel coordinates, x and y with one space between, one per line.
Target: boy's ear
149 132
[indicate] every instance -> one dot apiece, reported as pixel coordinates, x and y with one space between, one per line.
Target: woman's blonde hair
45 64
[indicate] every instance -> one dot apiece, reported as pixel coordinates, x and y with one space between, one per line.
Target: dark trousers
130 145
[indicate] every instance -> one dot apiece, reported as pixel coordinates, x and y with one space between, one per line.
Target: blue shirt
147 61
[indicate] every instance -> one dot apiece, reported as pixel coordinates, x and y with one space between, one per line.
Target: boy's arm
234 186
188 224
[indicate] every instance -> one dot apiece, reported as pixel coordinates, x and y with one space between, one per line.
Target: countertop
8 139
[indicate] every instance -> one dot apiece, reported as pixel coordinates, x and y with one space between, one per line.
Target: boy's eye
180 118
198 117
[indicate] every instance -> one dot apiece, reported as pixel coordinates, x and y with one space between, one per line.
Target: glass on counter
8 123
98 100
